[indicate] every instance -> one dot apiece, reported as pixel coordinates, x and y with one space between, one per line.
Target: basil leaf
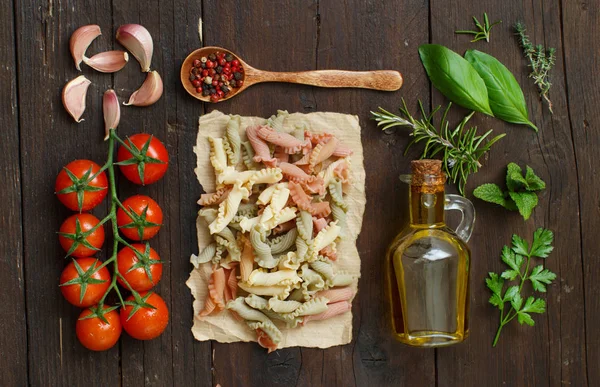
505 95
454 77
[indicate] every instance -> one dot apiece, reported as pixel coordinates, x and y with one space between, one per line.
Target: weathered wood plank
550 154
580 22
259 32
13 346
365 35
49 139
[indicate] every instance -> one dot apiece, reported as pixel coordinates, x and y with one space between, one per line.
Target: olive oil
427 265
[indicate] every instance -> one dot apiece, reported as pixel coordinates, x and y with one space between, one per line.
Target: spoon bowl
385 80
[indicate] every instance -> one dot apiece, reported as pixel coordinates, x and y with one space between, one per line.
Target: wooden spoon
386 80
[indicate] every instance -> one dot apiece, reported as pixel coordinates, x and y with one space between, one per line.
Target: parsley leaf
518 259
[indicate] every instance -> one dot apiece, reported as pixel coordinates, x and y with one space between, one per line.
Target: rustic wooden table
38 345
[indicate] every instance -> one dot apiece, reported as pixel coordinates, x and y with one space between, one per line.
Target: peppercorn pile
216 75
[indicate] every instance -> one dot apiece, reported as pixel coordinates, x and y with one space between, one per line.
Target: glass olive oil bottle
427 265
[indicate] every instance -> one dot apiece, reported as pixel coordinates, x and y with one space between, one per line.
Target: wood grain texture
40 137
580 36
13 346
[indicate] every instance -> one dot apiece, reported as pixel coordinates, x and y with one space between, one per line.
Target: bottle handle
464 205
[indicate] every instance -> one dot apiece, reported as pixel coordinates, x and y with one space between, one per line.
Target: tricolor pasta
276 216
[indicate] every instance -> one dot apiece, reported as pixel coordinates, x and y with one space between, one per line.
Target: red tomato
95 334
147 218
75 238
147 162
146 323
76 190
83 271
136 271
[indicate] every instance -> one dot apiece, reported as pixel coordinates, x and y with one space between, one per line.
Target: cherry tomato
75 236
147 218
146 323
84 271
95 334
76 189
137 272
147 162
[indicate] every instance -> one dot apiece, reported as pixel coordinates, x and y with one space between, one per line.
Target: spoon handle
387 80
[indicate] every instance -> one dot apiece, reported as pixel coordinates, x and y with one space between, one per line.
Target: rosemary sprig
460 148
484 30
541 62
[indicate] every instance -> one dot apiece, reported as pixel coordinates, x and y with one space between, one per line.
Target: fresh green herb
521 192
460 148
505 95
515 257
484 30
540 62
454 77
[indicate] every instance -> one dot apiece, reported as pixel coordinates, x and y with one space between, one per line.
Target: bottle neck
427 206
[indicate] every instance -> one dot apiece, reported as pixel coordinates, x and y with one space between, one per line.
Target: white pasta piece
279 291
343 279
260 277
312 282
205 256
276 121
228 208
256 302
304 224
265 196
267 176
336 192
326 236
246 224
325 268
231 176
289 262
280 306
328 174
209 214
218 157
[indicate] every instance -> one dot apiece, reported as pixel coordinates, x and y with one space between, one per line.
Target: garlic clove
111 110
138 41
73 96
148 93
80 41
107 62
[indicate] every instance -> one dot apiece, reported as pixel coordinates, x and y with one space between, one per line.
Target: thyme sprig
460 148
484 29
541 62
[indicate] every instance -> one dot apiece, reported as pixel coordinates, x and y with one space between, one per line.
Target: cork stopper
427 173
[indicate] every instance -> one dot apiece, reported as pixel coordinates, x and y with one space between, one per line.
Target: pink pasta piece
289 143
305 159
261 149
336 295
317 138
280 155
328 252
216 289
231 285
311 183
332 310
322 152
342 172
304 201
315 185
246 260
284 227
209 199
265 341
319 224
342 151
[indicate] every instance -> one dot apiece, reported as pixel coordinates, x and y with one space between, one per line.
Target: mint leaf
542 243
490 193
534 183
540 276
534 305
514 178
525 201
525 318
520 245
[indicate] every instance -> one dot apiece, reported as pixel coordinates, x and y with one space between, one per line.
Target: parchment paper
322 334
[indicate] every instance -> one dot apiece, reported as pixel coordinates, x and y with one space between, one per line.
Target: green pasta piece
283 242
